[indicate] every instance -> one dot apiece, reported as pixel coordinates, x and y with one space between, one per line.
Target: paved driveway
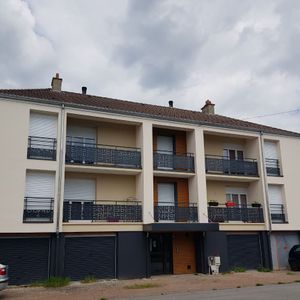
271 292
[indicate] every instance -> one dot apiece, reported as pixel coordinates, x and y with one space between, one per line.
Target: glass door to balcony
80 195
166 202
165 152
81 145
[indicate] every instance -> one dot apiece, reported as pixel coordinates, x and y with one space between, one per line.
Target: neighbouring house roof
135 108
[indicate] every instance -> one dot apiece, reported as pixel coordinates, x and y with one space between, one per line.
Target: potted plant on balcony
230 204
213 203
256 204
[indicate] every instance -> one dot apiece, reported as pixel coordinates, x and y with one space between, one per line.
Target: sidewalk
157 285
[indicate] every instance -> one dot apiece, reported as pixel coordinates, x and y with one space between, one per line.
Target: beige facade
123 184
14 119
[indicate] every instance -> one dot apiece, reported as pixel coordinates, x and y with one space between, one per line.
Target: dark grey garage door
90 256
244 251
27 259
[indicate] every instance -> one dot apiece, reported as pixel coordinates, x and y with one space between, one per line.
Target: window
233 154
272 158
166 194
277 209
237 195
39 197
165 144
42 136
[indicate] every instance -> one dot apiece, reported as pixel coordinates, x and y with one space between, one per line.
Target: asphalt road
270 292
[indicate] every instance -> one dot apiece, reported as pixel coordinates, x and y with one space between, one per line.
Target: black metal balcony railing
222 165
108 211
41 148
111 156
247 214
38 210
170 161
272 167
277 213
179 212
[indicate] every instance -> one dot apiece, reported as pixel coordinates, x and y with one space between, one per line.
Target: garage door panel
90 256
244 251
27 259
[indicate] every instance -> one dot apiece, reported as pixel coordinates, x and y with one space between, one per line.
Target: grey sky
243 55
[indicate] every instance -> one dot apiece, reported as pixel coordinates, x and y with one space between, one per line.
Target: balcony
102 155
180 212
170 161
222 165
277 213
246 214
108 211
272 167
41 148
38 210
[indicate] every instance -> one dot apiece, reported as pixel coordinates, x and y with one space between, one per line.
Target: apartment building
116 189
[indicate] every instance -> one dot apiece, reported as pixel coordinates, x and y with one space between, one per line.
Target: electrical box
214 263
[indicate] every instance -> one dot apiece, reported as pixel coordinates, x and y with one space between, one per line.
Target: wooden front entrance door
184 255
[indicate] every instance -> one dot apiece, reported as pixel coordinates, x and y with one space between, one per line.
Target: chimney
56 83
84 89
208 108
170 103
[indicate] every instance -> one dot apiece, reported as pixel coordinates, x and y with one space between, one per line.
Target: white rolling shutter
275 194
39 191
81 134
40 184
164 144
270 150
275 199
166 194
80 189
42 125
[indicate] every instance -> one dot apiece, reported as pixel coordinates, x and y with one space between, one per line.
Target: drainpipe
265 181
60 166
266 195
59 190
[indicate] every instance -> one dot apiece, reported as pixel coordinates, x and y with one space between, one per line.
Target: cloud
241 54
23 52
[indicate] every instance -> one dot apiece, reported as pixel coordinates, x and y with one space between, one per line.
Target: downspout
266 195
58 254
60 167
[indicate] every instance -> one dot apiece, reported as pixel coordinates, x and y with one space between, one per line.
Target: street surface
271 292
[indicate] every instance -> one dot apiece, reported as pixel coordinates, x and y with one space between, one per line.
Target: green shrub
54 282
88 279
263 269
141 286
238 269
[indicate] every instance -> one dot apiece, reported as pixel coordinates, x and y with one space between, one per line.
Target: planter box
256 205
230 204
213 203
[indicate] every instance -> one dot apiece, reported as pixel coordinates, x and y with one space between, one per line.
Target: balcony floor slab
101 226
101 169
166 173
180 227
236 178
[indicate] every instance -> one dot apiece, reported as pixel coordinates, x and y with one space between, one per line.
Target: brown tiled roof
149 110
